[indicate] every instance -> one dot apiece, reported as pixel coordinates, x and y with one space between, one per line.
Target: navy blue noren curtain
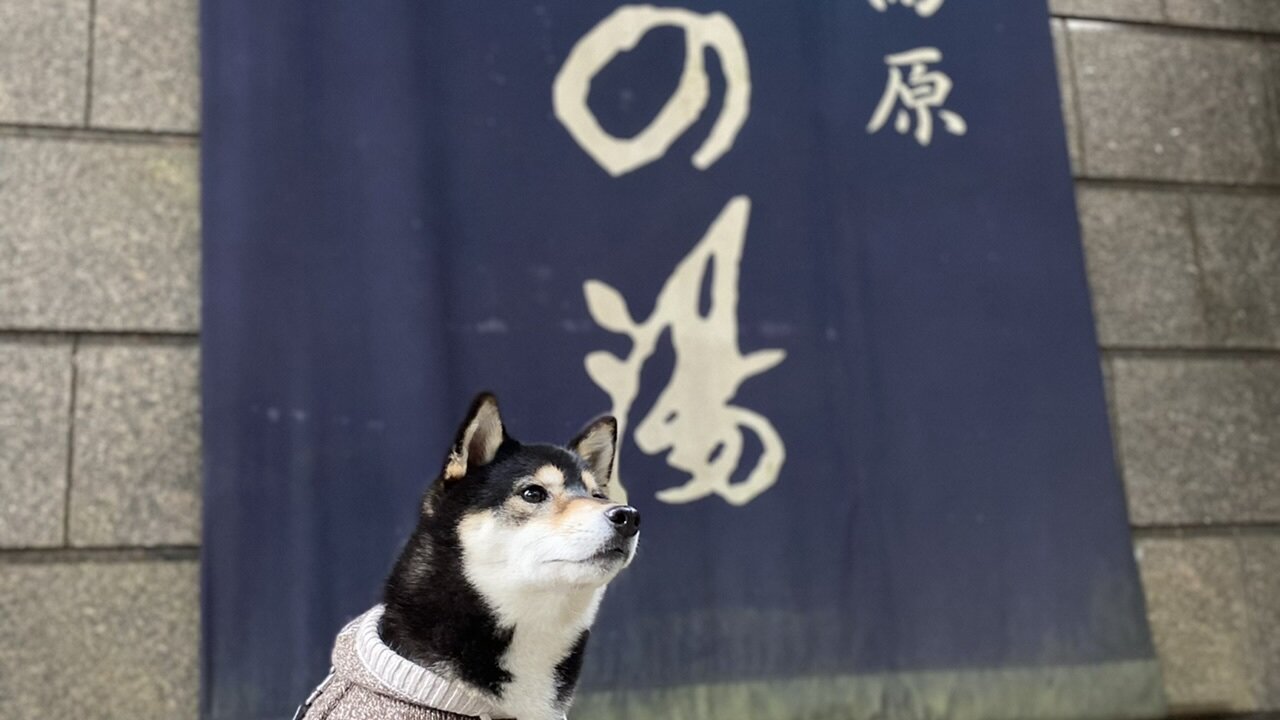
821 257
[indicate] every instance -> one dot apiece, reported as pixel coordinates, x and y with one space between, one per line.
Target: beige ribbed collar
410 680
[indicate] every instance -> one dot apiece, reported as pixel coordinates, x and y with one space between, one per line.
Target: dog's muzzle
625 519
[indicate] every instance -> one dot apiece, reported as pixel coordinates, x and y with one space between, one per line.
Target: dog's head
532 516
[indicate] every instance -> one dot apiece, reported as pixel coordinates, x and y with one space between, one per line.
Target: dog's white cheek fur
523 574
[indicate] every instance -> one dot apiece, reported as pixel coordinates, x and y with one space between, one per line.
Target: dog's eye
599 496
533 494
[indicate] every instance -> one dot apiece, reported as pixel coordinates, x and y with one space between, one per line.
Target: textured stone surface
1261 552
98 235
1263 15
1199 438
136 474
1111 9
146 68
1199 621
1240 256
1142 267
1066 87
1174 105
90 641
44 50
35 418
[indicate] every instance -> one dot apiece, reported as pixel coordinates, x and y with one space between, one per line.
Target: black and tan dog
487 611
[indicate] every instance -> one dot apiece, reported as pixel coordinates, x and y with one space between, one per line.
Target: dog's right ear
479 438
596 444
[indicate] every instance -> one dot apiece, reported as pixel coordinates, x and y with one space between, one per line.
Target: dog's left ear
479 438
596 444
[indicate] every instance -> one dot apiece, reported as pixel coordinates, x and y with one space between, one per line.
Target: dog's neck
521 647
548 641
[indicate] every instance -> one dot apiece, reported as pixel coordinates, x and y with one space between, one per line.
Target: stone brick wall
99 390
1173 109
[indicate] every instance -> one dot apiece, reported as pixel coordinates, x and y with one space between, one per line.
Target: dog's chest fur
546 648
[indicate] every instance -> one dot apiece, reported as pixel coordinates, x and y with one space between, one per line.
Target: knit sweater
369 681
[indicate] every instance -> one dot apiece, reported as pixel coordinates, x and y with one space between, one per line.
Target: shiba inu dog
487 611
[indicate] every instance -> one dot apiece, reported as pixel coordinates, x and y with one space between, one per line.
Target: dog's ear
597 444
479 438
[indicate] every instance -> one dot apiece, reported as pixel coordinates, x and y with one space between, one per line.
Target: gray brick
98 235
35 410
1240 256
146 71
1142 271
1262 15
1175 106
1066 87
90 641
1199 621
44 50
1199 438
1261 553
1110 9
1109 390
136 474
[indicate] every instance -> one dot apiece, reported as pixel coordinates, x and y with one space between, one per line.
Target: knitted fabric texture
369 681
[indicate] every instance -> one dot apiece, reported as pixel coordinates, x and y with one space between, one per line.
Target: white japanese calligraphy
621 31
692 418
924 8
921 91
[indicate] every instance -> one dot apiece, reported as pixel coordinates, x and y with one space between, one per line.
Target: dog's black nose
625 519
